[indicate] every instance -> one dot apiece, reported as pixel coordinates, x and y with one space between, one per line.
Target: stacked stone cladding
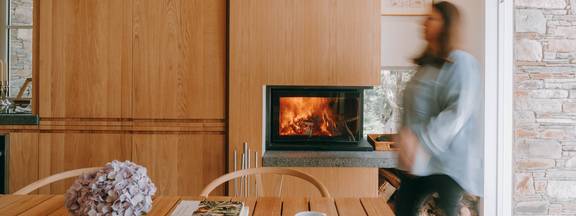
545 107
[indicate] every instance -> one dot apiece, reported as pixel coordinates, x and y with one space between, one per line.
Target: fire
307 116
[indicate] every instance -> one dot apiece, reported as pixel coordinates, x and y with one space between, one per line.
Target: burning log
308 116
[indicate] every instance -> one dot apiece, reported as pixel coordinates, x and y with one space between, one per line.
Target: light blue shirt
443 106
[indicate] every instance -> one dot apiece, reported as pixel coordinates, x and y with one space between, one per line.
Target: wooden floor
163 205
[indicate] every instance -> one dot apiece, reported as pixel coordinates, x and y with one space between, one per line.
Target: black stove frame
275 142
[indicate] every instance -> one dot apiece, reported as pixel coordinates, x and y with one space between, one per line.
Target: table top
163 205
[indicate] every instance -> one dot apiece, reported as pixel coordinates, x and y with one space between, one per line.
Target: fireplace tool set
246 186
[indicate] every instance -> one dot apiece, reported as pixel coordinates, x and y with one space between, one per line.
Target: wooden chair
54 178
265 170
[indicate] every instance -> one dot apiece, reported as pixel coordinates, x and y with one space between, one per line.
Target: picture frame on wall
405 7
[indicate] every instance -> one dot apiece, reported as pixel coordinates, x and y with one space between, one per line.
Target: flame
307 116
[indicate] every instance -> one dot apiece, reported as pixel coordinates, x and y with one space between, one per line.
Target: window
17 38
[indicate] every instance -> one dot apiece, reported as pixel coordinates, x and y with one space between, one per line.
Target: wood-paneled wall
181 164
341 182
299 42
84 55
141 80
179 59
296 42
23 160
132 59
59 152
146 79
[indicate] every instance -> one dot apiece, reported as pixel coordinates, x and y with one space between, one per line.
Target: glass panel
383 104
20 57
303 115
309 116
21 12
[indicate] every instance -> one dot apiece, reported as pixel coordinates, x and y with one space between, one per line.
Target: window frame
499 104
5 38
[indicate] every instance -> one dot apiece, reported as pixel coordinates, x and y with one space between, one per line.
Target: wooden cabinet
23 160
179 59
181 164
131 79
60 152
84 56
142 59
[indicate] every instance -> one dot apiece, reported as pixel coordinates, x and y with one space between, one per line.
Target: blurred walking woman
441 140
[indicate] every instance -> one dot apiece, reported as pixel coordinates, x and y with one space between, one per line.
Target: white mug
310 213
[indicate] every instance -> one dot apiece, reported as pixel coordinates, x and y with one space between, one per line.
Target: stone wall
545 107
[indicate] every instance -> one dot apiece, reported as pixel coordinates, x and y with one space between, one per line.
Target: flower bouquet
120 188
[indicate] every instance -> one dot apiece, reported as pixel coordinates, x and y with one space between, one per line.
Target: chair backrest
265 170
54 178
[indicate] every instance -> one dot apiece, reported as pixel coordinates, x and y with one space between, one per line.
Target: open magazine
210 208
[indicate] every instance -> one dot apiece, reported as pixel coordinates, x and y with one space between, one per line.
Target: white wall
401 40
402 35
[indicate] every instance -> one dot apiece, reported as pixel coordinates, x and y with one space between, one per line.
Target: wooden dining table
164 205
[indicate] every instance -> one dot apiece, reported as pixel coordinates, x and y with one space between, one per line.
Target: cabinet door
179 59
181 164
66 151
84 56
23 160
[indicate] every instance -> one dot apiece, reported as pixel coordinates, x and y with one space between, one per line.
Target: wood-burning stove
315 118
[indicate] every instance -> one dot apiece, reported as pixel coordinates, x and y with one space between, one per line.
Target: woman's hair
447 38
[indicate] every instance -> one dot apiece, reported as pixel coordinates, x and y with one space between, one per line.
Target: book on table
210 208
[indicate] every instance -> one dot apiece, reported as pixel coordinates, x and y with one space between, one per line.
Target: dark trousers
413 191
